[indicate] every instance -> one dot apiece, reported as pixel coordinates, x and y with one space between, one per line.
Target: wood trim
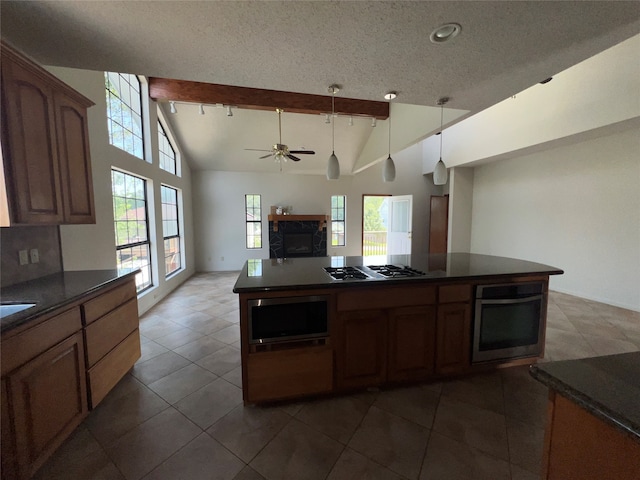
321 219
166 89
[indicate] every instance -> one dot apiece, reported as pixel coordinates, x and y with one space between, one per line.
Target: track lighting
351 121
440 172
389 168
333 167
327 119
373 121
229 112
201 111
173 107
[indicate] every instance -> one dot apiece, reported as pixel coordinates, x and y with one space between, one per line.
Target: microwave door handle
508 301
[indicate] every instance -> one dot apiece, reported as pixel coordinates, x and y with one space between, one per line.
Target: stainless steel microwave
288 319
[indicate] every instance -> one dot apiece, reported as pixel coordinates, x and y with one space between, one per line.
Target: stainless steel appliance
287 319
346 273
509 321
361 272
395 271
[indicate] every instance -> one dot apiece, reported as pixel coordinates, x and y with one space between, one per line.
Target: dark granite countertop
298 273
53 291
608 387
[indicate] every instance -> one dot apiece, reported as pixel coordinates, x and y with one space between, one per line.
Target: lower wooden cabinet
412 333
49 400
361 350
289 373
453 338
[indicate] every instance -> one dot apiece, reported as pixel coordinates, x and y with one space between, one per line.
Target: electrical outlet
35 256
24 257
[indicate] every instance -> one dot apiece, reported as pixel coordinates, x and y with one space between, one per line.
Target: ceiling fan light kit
440 172
333 167
389 167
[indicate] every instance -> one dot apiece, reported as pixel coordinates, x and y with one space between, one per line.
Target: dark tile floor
179 413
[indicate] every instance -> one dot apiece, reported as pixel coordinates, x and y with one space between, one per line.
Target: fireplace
297 236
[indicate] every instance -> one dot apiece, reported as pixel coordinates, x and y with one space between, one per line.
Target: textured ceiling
367 47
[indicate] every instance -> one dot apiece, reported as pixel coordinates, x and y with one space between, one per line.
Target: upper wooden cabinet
45 148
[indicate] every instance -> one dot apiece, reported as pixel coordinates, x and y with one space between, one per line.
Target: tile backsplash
13 239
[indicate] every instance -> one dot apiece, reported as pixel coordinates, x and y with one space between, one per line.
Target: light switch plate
23 255
35 256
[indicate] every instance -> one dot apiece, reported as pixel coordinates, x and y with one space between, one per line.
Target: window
124 112
254 221
166 150
131 226
338 203
170 229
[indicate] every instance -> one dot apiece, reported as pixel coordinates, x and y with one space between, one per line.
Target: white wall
87 247
218 199
575 207
460 209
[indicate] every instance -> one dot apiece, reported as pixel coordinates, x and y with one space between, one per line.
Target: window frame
141 284
251 224
125 106
162 133
335 221
177 235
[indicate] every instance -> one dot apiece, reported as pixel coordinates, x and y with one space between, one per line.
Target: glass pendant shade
440 173
389 170
333 169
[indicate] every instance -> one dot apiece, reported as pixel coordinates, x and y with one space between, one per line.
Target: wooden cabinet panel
45 147
103 304
7 445
454 293
453 338
24 346
105 374
75 164
580 446
412 333
107 332
362 348
390 297
29 149
48 397
289 373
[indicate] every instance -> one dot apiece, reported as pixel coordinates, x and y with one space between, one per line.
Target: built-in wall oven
509 321
287 319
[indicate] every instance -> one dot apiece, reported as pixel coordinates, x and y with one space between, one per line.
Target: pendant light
333 168
440 172
389 168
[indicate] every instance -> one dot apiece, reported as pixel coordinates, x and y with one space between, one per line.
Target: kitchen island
593 424
304 332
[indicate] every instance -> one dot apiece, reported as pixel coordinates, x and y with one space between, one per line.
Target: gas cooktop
372 271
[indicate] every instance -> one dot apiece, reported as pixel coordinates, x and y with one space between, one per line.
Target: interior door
399 231
438 224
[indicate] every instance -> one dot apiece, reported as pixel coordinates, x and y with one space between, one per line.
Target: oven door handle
507 301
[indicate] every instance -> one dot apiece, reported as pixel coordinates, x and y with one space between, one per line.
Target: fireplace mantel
321 219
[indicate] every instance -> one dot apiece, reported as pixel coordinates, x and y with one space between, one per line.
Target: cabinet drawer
376 298
289 373
21 348
105 374
454 293
108 331
99 306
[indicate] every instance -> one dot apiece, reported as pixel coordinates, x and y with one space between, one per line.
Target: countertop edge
586 402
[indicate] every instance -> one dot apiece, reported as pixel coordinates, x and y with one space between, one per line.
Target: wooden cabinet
453 330
412 333
362 348
46 165
580 446
48 400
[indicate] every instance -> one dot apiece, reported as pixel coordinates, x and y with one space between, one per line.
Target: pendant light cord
389 128
333 120
441 122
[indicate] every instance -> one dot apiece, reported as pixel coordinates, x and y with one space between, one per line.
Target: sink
7 309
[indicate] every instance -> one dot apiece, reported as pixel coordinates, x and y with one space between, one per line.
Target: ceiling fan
279 150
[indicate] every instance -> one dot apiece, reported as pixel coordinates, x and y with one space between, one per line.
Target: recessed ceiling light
445 32
390 95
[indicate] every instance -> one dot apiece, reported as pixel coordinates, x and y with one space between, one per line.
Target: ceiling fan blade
292 157
258 149
306 152
265 156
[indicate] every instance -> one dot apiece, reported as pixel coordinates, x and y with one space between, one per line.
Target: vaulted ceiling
367 47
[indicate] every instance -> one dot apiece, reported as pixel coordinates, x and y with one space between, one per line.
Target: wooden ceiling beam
165 89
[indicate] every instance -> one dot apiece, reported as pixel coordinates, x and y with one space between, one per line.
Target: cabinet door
75 161
29 147
8 454
412 333
49 400
362 348
453 338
